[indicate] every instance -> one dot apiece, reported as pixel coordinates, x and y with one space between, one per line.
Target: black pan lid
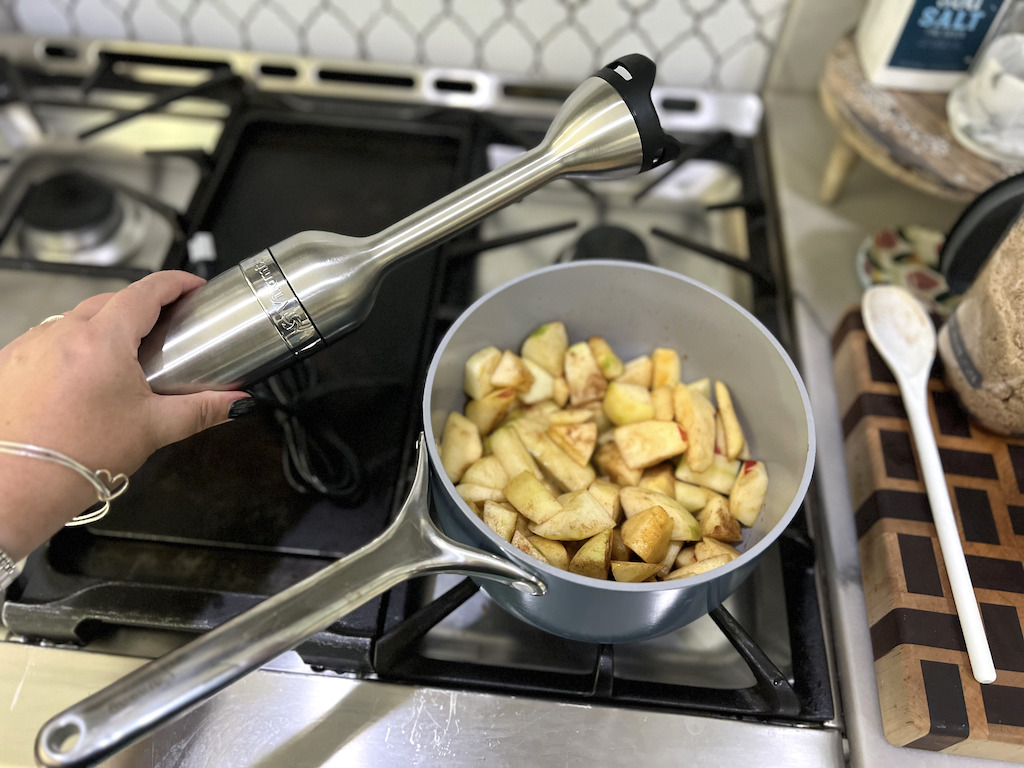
979 230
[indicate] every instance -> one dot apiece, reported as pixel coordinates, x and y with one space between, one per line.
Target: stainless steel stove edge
680 109
280 718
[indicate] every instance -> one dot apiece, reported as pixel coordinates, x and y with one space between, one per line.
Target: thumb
181 416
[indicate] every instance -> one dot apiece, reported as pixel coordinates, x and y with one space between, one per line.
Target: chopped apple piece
523 544
471 492
580 518
696 415
593 557
648 534
486 471
632 573
607 493
682 405
461 445
565 498
586 382
691 496
609 461
661 399
512 372
665 367
572 416
478 371
668 562
542 412
717 523
700 431
701 386
543 386
560 391
719 435
660 478
749 492
500 518
546 346
553 551
627 403
609 363
637 371
515 412
719 477
684 526
569 475
686 556
734 439
528 495
697 567
647 443
577 440
707 548
489 410
510 451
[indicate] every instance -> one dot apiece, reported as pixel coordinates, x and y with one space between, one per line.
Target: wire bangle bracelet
107 486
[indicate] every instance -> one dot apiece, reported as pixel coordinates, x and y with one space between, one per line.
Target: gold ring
52 318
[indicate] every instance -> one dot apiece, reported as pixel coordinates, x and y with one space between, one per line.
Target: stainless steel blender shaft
314 287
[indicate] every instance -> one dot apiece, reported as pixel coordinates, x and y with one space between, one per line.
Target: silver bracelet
8 571
107 486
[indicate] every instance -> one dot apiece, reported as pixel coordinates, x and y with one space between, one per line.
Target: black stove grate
805 696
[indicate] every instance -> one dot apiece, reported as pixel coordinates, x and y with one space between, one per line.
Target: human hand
75 386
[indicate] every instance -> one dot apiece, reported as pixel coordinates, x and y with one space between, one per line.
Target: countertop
820 242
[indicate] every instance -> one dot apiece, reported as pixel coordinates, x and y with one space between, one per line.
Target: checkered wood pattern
929 698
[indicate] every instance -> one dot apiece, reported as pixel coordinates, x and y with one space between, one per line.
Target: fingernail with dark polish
242 407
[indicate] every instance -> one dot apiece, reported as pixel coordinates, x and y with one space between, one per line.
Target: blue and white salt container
923 45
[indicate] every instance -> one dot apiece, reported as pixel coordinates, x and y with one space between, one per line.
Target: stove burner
610 242
77 218
69 202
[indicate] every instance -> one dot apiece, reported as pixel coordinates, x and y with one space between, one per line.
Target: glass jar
982 343
986 109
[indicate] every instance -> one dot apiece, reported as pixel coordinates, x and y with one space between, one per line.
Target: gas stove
125 158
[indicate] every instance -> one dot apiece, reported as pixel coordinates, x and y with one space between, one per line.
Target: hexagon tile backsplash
719 44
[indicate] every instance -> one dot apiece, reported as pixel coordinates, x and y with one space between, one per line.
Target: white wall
812 28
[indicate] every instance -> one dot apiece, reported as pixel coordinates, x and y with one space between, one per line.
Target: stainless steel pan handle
139 703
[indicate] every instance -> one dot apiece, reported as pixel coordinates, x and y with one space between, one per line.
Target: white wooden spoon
905 338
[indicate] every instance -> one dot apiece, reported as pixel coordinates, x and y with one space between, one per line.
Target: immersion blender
312 288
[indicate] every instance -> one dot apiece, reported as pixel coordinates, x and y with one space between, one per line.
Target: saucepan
636 308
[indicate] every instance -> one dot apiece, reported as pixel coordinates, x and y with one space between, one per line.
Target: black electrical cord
315 459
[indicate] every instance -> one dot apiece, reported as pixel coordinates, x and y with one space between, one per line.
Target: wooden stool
903 133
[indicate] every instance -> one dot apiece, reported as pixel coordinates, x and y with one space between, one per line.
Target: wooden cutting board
929 699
